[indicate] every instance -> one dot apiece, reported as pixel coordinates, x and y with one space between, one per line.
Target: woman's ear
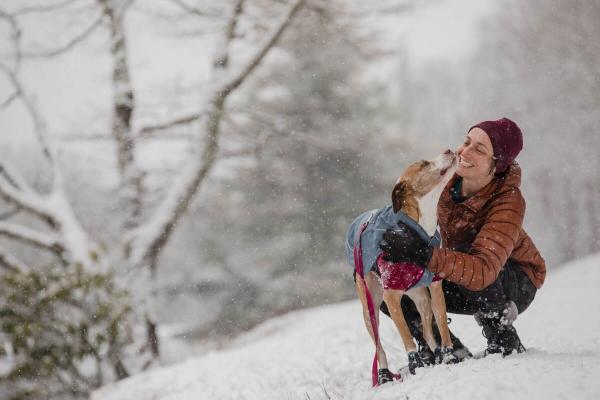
399 194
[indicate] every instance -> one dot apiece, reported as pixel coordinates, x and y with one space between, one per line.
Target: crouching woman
490 266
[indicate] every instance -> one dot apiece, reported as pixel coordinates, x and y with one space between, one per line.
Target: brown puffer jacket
482 232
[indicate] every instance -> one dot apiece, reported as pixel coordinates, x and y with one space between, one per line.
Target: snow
325 352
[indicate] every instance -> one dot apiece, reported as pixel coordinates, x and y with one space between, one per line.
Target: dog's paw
445 355
384 375
414 361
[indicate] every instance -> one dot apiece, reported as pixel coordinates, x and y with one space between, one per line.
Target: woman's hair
492 166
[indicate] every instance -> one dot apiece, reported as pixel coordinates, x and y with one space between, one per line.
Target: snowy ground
325 353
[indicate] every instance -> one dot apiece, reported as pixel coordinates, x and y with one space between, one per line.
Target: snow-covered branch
10 213
148 240
44 8
9 100
68 240
152 129
195 11
81 36
220 62
16 41
26 235
222 57
13 178
39 123
103 137
11 263
11 191
271 39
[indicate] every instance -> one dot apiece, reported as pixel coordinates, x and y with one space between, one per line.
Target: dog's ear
399 195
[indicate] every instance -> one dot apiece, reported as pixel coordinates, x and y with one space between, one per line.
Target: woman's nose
465 149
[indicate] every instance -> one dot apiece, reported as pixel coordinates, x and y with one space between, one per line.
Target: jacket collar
504 182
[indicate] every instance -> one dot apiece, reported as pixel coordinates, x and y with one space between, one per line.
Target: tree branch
54 209
101 137
263 50
32 237
10 213
195 11
151 237
39 124
70 44
9 100
16 39
27 201
44 8
152 129
11 263
222 58
13 178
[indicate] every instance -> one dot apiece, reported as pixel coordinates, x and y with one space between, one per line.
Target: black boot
414 361
446 355
427 356
384 376
501 338
459 350
510 341
490 331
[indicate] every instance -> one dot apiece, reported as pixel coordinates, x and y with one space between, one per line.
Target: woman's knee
518 286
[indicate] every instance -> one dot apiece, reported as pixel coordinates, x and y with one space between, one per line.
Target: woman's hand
403 244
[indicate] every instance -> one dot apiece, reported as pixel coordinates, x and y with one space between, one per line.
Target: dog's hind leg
392 300
438 305
374 285
420 296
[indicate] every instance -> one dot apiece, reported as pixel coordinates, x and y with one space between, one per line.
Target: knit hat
506 138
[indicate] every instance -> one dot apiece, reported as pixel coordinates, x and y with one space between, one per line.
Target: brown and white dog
416 194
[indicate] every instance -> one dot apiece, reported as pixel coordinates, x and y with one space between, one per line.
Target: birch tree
141 241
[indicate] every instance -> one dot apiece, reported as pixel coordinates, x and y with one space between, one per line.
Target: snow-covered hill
325 352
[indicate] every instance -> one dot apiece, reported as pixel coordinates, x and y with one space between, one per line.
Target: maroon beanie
506 138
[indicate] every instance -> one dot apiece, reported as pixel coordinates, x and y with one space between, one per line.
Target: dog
414 202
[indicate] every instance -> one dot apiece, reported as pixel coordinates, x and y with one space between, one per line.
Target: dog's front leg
438 305
374 285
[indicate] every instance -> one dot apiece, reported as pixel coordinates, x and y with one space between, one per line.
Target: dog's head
423 177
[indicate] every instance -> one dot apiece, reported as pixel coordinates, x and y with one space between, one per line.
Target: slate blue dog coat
378 221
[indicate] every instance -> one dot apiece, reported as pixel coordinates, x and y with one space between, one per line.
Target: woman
490 266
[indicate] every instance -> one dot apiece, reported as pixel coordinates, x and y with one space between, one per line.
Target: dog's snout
448 152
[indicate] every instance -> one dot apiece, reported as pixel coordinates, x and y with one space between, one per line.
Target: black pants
512 284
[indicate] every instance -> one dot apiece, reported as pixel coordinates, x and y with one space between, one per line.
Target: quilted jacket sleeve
491 248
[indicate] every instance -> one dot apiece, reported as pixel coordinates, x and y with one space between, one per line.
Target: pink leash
358 264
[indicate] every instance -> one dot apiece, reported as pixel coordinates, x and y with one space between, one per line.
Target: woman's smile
464 163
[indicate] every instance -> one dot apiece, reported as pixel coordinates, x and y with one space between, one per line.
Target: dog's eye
424 163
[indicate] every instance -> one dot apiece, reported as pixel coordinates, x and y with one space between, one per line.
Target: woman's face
475 155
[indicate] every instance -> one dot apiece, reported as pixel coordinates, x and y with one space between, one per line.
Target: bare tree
142 242
65 237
